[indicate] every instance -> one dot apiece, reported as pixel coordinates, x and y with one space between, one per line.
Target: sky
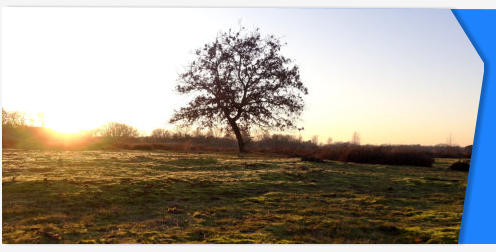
395 76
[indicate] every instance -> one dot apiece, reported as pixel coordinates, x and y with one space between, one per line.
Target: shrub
460 166
375 155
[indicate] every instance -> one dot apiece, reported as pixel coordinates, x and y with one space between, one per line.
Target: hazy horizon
394 76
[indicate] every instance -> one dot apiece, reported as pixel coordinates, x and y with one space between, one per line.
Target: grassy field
170 197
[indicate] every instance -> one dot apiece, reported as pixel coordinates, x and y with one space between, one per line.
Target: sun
67 128
67 125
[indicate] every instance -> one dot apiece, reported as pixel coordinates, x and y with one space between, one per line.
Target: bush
388 155
384 156
460 166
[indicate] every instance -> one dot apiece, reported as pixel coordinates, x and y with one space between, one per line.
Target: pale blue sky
394 75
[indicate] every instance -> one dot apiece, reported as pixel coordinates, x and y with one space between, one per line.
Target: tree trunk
239 137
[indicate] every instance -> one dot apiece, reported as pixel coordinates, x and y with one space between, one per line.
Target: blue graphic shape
479 212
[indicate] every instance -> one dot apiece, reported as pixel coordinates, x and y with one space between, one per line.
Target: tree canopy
239 81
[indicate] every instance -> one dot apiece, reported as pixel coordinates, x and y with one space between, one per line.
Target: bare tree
355 139
315 140
13 119
240 81
4 117
329 140
214 132
160 134
118 130
449 140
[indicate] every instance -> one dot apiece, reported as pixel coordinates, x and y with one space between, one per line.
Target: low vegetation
368 154
116 136
177 197
461 166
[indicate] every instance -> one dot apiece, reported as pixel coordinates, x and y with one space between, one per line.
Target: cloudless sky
396 76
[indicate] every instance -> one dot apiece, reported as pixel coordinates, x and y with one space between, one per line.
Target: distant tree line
113 135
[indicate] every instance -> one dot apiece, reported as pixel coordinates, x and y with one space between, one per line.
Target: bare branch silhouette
241 81
116 130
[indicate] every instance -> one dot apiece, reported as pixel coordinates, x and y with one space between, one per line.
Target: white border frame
445 4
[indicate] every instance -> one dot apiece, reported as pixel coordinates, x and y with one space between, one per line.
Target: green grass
168 197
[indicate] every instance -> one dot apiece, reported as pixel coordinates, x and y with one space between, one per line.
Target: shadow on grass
288 206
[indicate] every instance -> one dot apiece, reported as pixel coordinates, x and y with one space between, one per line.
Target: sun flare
67 125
